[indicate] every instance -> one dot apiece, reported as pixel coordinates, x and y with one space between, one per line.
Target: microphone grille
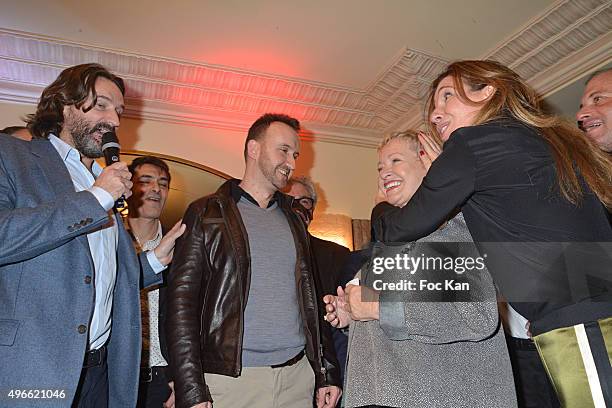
109 137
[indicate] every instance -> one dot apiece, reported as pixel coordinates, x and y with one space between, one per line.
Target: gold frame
178 160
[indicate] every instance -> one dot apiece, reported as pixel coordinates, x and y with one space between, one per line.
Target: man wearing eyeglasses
330 257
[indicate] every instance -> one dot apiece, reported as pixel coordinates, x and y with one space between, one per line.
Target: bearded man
69 275
243 325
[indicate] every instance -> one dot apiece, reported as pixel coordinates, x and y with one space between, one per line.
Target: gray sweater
432 354
270 339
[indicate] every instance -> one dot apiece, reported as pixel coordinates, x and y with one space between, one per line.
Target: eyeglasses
307 202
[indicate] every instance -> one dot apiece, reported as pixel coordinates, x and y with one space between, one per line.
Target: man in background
151 184
595 114
329 257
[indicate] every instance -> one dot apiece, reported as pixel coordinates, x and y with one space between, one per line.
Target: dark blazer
330 259
46 280
353 264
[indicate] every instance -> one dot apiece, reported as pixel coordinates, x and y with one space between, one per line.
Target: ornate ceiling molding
566 41
183 92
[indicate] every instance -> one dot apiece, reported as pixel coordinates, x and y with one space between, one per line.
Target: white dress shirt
149 307
514 323
102 243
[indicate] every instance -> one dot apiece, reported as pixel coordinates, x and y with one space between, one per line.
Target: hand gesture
336 313
430 149
362 303
327 397
165 249
115 179
170 402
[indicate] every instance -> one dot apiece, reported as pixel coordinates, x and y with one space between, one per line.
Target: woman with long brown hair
535 194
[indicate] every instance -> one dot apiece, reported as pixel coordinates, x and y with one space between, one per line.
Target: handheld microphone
110 149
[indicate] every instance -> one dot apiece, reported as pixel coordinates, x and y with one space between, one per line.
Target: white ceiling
343 42
566 101
350 69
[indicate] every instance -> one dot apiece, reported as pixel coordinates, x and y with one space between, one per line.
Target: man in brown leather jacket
243 324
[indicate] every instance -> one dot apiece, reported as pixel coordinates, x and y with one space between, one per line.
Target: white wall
345 175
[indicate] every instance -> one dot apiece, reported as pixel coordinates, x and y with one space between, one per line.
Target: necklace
148 244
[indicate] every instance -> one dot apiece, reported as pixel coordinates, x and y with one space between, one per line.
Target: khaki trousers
264 387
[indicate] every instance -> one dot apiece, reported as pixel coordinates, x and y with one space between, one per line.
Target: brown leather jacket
207 294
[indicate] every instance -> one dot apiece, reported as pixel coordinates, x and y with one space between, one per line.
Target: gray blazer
432 354
46 281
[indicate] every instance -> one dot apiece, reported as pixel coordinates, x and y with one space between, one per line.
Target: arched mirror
190 181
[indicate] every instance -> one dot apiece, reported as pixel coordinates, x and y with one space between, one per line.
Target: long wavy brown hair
572 151
72 87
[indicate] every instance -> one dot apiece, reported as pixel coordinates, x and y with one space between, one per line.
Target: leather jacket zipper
238 220
323 369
